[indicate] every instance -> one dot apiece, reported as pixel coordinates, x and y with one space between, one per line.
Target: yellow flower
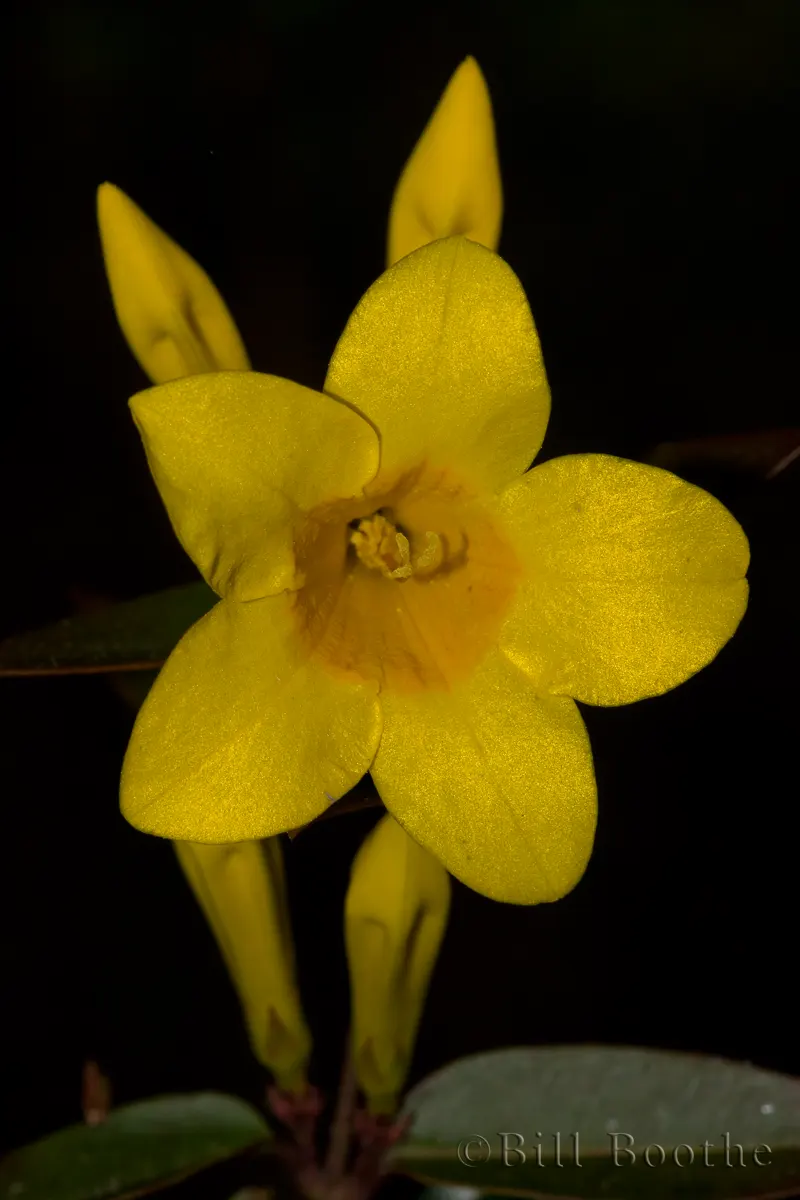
400 595
242 892
451 183
177 324
395 917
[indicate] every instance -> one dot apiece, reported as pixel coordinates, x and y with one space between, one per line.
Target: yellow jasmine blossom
395 916
174 319
242 891
451 183
401 595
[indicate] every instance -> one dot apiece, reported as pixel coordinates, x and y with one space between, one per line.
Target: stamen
381 546
423 636
431 557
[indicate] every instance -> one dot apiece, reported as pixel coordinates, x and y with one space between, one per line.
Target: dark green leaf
138 1149
610 1098
138 634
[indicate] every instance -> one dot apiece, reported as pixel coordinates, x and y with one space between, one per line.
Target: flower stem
342 1124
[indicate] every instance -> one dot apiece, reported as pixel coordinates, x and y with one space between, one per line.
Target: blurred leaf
442 1192
136 635
766 453
639 1097
137 1150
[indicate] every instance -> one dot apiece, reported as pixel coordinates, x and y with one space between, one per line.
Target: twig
95 1094
342 1124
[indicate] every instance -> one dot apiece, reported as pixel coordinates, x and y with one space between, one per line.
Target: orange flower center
407 587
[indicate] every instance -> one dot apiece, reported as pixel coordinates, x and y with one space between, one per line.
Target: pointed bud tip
122 217
108 194
470 73
115 210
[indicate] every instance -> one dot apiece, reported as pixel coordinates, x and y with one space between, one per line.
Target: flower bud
395 916
451 183
242 891
173 318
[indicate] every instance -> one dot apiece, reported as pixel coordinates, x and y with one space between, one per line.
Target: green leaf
138 634
138 1149
610 1098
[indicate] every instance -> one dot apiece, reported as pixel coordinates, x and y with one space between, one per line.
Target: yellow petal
442 355
494 780
451 183
633 580
174 319
395 917
238 458
241 736
242 891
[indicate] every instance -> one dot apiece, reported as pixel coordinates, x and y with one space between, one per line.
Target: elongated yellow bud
242 891
395 917
174 319
451 183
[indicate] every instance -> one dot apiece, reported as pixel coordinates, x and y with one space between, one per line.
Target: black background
646 154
